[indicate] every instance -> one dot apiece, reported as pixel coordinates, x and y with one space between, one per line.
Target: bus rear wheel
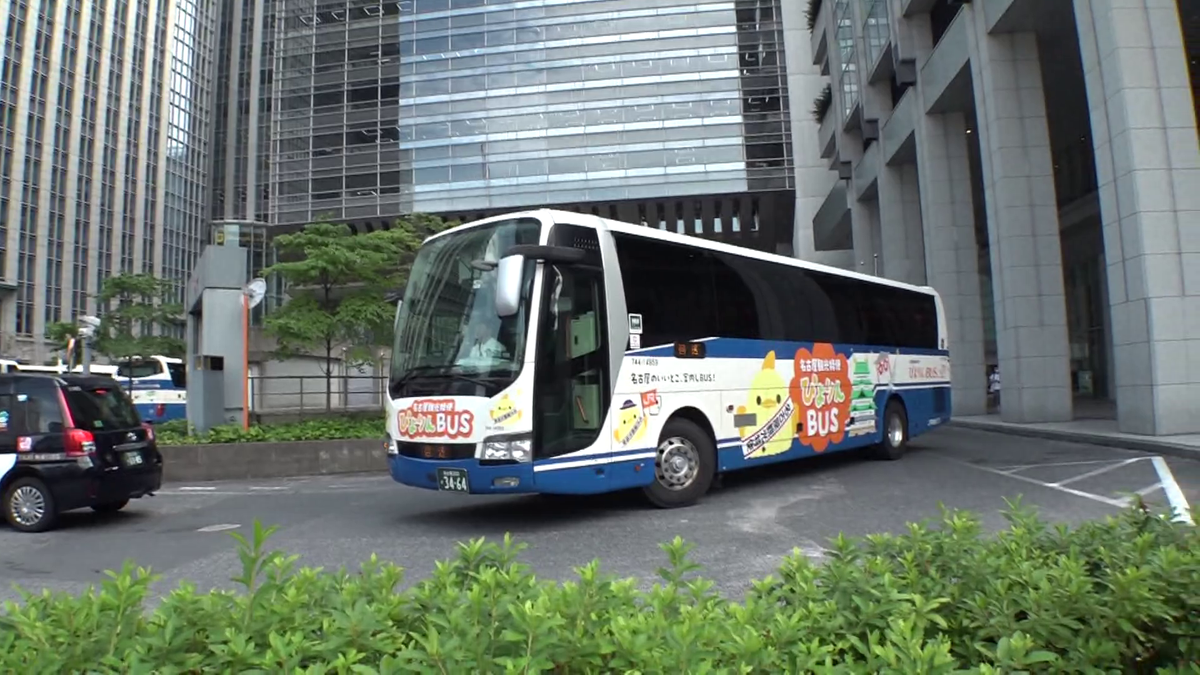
895 432
684 467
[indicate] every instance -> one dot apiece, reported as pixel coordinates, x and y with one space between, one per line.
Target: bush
1117 596
175 432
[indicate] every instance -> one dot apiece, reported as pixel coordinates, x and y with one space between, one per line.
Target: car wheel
684 467
29 506
895 432
110 507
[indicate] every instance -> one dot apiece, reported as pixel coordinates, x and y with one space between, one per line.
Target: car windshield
101 408
447 322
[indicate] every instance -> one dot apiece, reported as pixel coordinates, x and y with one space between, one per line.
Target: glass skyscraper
668 112
104 129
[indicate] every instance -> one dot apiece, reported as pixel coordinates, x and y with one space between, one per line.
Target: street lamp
86 329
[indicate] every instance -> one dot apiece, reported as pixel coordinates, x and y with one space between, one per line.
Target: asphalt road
741 530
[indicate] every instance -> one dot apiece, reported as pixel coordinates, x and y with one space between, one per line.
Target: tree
135 316
60 334
338 284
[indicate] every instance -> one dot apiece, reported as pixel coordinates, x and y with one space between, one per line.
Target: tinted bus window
672 288
178 374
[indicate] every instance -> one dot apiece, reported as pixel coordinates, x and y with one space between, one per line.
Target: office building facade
669 112
1038 163
104 127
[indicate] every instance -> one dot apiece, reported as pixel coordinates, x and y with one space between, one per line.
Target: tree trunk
328 375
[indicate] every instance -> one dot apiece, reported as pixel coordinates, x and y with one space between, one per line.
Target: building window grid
32 187
876 28
847 54
10 66
495 156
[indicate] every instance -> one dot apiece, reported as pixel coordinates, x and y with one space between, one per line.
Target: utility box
206 393
216 338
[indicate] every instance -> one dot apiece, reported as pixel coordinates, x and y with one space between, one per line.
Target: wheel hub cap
678 463
28 505
895 431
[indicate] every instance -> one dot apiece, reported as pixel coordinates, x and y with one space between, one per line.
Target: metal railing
298 393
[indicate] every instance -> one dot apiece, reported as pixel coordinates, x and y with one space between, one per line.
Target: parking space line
1022 467
1118 503
1097 472
1179 503
1147 490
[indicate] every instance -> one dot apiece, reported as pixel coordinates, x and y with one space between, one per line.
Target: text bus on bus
557 352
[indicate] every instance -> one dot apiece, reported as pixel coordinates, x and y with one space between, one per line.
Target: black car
70 442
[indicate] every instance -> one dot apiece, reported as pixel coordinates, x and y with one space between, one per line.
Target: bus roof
683 239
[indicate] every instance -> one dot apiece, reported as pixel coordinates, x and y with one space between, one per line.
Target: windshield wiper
431 372
412 374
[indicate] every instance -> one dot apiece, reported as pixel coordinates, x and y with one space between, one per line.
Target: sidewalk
1094 431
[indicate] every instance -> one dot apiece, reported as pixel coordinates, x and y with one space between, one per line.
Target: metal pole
245 361
87 356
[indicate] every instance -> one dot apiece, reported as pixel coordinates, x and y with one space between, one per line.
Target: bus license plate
133 459
453 480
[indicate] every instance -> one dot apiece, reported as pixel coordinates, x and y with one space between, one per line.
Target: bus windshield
447 323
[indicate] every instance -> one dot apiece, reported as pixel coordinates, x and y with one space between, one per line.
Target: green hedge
1117 596
175 432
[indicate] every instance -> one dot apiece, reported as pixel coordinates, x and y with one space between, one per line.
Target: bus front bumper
479 478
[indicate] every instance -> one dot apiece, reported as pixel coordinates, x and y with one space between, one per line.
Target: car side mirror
509 275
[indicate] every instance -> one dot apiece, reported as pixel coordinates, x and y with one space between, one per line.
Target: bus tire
895 431
684 467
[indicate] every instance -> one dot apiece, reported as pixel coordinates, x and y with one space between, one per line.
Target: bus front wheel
895 431
684 467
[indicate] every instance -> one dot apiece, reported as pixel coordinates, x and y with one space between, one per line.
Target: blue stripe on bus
634 467
736 348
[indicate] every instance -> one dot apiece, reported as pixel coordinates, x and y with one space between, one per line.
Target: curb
1091 438
246 461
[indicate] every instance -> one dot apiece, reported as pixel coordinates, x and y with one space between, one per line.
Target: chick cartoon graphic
631 423
505 412
766 423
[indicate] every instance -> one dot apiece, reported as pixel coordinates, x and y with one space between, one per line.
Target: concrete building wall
966 73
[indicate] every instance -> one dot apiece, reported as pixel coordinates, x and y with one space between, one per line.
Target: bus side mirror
509 275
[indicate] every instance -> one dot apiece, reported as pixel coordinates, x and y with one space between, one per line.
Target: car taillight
149 430
80 443
160 410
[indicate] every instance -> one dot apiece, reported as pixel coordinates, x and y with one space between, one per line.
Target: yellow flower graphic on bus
631 423
766 424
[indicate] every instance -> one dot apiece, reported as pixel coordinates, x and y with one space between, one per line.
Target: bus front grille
436 451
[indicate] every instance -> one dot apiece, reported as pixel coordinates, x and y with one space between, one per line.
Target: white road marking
269 487
196 489
1022 467
1179 503
1148 490
1097 472
219 528
1119 503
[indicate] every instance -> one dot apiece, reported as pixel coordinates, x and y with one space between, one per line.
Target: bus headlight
508 448
389 444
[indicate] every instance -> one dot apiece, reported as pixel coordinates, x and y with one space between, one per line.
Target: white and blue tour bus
158 386
557 352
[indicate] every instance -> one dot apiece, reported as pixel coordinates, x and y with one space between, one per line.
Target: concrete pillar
1148 169
813 177
902 236
1022 214
951 254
